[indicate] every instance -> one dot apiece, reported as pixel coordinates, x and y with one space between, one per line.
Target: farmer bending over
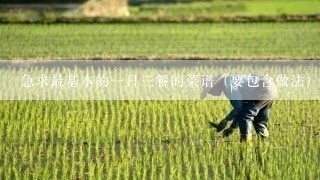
251 97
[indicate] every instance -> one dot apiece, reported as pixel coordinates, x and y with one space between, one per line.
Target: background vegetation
201 40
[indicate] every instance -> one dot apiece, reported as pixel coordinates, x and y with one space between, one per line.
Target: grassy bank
229 8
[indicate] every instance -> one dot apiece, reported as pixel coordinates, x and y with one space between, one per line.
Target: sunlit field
152 139
155 139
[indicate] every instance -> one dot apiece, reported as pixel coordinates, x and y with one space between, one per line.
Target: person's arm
234 124
236 101
237 106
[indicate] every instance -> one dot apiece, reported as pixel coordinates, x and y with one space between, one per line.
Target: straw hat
206 90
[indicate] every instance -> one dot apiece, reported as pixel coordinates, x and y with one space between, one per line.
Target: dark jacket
245 90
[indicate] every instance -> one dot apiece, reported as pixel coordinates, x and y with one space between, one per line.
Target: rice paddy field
151 140
165 41
158 139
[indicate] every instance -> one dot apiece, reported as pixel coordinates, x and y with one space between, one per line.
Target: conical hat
206 90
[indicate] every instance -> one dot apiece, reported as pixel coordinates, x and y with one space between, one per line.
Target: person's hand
228 132
222 124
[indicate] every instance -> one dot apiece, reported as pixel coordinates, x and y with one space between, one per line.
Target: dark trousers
256 113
